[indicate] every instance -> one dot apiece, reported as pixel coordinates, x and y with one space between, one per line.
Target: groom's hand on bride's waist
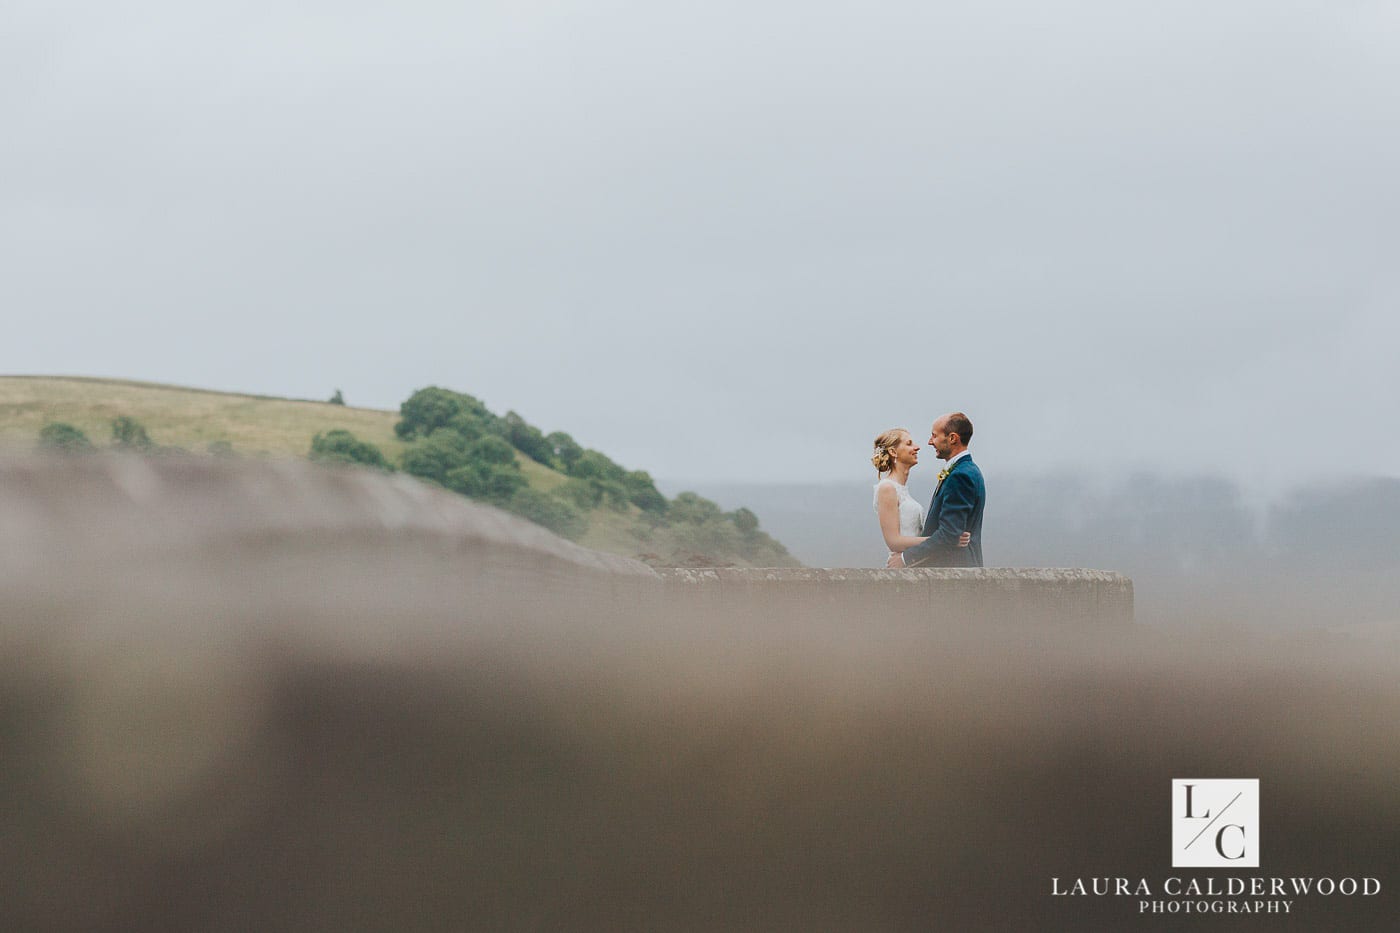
895 562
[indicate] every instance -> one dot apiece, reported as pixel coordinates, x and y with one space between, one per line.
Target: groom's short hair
959 424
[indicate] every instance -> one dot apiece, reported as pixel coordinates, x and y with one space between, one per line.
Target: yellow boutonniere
943 473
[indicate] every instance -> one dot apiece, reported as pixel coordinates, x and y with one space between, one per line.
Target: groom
957 502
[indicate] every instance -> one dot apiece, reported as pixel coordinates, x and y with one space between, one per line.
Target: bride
901 516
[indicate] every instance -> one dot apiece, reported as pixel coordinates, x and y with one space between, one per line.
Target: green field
259 426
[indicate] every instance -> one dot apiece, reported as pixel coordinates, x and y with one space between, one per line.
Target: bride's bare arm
888 501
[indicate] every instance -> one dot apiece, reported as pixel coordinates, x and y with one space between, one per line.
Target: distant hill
684 530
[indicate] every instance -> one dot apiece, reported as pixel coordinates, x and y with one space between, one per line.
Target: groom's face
939 440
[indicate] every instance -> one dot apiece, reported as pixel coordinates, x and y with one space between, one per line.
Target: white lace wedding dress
911 514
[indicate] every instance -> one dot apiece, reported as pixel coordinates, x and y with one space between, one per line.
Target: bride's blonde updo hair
883 459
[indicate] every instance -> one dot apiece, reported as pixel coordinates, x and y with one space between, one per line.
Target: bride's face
906 451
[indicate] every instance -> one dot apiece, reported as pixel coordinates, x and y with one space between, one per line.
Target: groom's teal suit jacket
957 507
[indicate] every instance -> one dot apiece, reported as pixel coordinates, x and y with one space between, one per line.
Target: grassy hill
257 425
181 417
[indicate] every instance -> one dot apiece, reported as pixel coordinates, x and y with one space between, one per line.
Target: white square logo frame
1215 823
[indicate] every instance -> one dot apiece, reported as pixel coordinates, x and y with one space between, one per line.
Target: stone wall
972 597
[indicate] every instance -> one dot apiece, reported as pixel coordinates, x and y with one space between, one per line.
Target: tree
607 477
745 520
566 450
436 455
493 450
129 434
593 464
550 511
691 509
489 482
64 438
340 446
642 492
425 411
468 425
527 438
337 398
488 471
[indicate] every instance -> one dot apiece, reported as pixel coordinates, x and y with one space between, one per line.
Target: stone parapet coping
1070 595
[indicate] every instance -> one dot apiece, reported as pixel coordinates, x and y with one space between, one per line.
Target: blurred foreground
242 696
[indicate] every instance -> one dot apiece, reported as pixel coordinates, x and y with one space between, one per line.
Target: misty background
1200 549
1149 248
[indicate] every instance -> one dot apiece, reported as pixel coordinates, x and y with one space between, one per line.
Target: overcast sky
731 241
